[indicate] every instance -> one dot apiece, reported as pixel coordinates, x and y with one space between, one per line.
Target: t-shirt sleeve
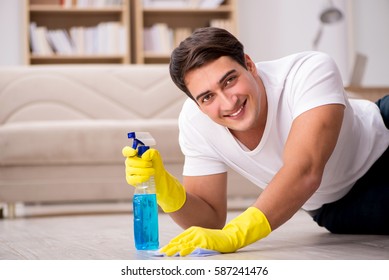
316 82
200 158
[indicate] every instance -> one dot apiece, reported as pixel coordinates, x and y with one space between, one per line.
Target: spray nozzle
138 144
135 142
131 135
142 149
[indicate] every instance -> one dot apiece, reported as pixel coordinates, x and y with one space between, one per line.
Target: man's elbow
312 181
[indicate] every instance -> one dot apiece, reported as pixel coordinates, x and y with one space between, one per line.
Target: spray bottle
145 206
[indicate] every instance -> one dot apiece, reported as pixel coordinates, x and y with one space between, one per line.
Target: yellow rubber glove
171 195
245 229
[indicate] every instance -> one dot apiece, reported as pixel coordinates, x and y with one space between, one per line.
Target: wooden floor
108 236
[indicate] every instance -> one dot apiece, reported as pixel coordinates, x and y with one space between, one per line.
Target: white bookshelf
129 31
161 24
78 31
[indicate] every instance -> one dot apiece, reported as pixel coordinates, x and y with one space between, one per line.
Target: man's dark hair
203 46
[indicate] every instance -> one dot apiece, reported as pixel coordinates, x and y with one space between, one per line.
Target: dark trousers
365 209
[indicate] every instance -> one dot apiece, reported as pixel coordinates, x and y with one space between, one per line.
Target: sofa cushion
50 93
82 141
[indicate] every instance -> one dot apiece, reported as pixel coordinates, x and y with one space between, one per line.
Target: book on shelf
66 3
160 39
91 3
222 23
165 4
34 45
107 38
38 40
210 4
77 35
180 34
60 42
168 4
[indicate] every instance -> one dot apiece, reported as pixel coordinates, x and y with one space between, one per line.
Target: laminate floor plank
110 237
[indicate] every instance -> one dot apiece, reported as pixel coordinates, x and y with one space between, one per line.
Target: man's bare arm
206 202
310 144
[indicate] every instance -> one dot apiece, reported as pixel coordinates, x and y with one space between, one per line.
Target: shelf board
76 56
59 9
150 57
55 59
157 55
221 9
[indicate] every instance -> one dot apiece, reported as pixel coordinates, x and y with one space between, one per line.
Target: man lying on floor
287 126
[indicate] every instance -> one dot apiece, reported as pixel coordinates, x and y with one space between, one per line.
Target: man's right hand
171 195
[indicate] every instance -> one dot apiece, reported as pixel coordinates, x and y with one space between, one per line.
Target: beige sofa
62 129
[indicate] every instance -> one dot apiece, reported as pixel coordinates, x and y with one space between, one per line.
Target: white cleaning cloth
199 252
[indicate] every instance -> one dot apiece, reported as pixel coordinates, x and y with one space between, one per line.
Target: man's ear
250 65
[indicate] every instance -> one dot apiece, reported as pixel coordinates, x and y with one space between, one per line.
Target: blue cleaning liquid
145 221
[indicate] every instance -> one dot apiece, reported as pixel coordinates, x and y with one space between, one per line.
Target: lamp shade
331 15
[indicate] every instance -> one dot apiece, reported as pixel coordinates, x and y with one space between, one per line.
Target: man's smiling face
228 93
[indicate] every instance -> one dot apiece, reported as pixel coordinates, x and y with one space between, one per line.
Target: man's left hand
245 229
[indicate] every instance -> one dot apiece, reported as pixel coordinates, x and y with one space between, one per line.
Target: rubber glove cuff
249 227
171 195
172 198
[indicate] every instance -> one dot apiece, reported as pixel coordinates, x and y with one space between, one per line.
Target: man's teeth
237 112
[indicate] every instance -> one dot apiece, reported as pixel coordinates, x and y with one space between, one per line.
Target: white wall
271 29
371 35
11 32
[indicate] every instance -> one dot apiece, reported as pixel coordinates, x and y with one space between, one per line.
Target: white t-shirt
294 84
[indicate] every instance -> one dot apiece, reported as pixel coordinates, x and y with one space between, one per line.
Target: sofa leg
11 210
